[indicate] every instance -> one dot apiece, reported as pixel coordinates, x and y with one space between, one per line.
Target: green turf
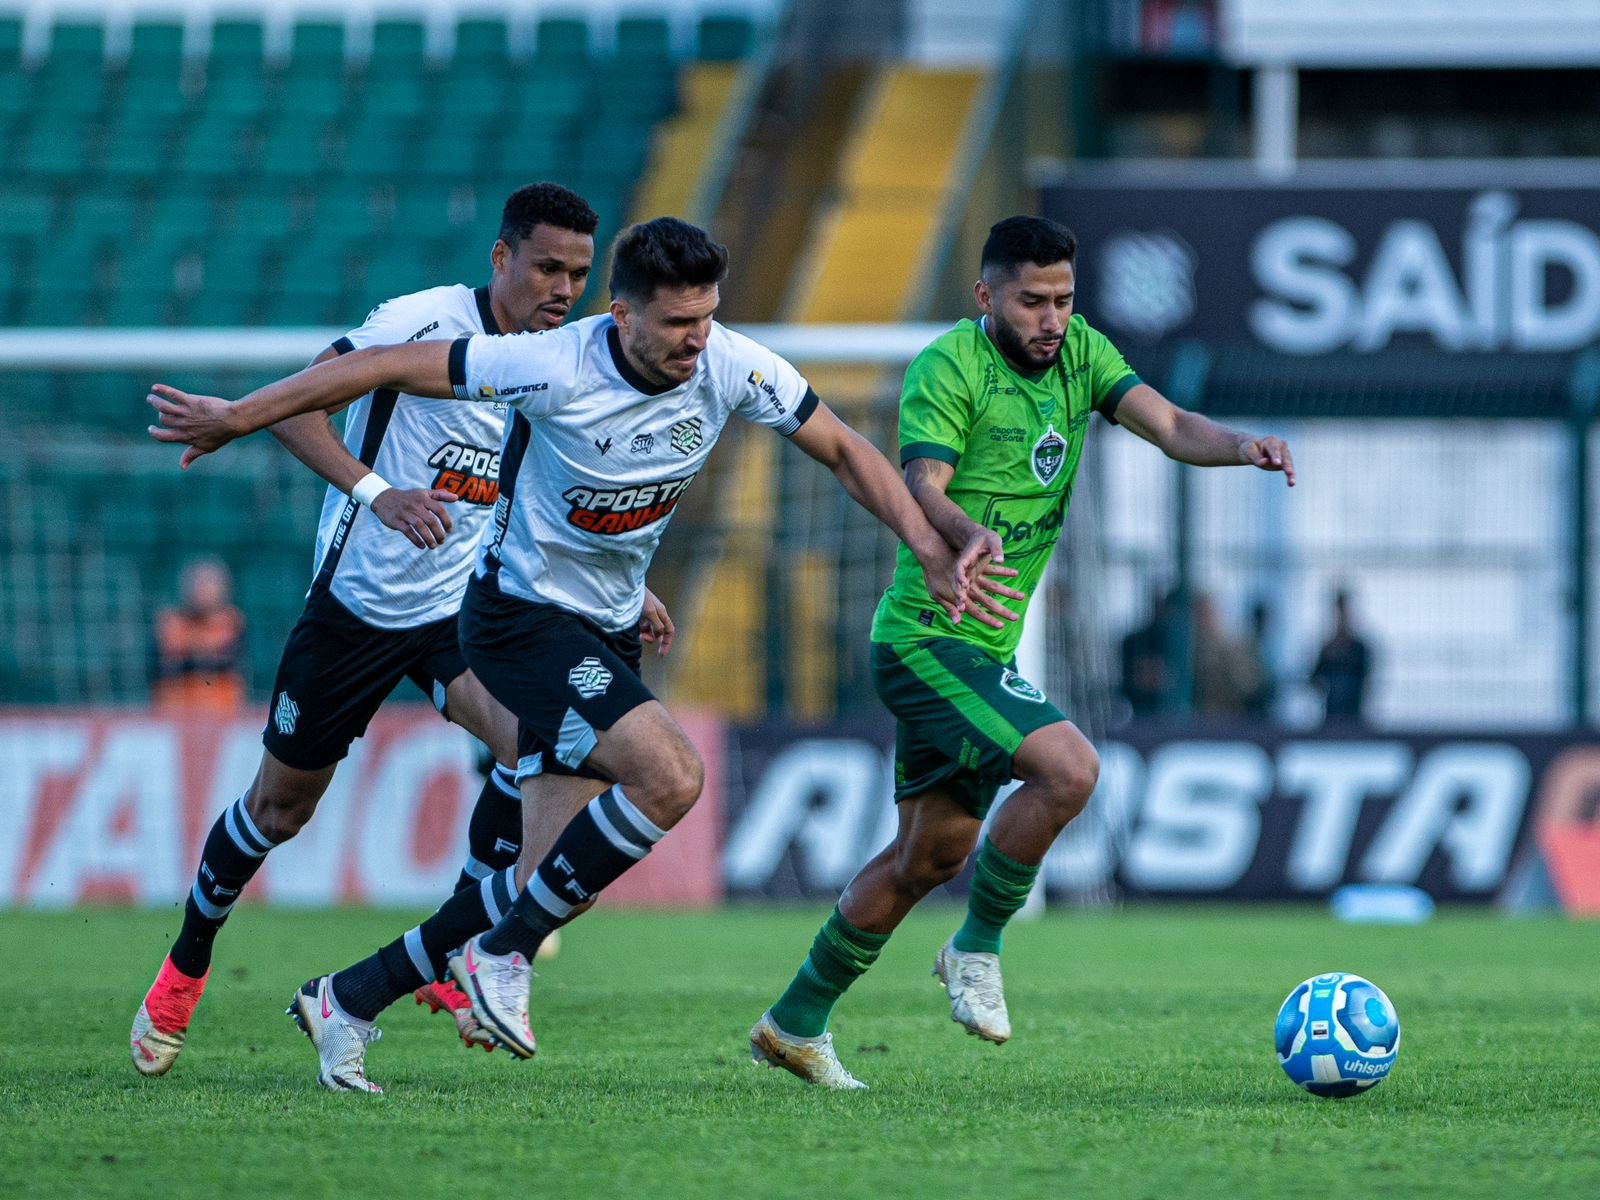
1141 1066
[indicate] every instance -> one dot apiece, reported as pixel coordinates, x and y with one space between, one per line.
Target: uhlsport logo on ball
1337 1035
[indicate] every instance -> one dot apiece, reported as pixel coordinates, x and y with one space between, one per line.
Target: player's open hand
655 623
980 569
1270 454
419 513
199 422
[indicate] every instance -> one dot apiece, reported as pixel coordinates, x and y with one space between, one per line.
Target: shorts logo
589 678
1021 688
1049 452
471 472
624 509
643 444
285 714
685 437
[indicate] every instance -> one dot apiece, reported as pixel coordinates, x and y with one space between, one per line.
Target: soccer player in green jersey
992 420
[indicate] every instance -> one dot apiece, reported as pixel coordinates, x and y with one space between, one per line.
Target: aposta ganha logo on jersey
624 509
471 472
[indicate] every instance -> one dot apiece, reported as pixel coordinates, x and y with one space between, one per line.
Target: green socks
840 954
999 887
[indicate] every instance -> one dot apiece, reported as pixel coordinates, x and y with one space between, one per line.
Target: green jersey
1014 443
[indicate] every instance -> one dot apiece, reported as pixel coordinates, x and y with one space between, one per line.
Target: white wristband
368 488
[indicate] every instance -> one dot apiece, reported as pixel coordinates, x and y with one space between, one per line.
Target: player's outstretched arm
871 482
1191 438
207 423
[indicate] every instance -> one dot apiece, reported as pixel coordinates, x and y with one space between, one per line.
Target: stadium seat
480 44
562 40
393 267
56 299
29 209
262 215
57 145
217 145
95 218
449 152
644 39
431 208
137 144
294 146
135 303
10 43
16 92
160 41
374 144
344 211
313 81
470 93
237 43
724 38
236 92
398 44
73 77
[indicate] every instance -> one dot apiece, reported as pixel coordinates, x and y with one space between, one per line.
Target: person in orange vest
199 644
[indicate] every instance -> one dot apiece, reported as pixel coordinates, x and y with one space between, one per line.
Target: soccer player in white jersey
379 611
613 418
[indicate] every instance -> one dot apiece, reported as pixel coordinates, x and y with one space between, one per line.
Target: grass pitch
1141 1066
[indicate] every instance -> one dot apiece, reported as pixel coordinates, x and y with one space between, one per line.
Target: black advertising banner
1460 263
1225 814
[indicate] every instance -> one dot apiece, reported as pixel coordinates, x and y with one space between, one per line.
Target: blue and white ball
1337 1035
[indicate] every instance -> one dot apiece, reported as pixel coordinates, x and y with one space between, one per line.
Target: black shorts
563 676
336 671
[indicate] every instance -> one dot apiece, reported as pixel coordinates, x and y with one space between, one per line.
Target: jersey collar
486 311
624 368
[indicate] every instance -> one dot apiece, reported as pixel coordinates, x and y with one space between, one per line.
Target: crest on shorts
1021 688
685 436
589 679
1049 452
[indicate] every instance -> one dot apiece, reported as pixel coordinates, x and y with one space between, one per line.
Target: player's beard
1017 349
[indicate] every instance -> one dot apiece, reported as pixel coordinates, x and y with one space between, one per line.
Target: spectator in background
1260 689
1223 671
1148 677
1343 666
199 645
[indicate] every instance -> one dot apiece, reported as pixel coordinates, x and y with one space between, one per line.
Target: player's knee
1075 781
674 787
1068 780
919 875
280 817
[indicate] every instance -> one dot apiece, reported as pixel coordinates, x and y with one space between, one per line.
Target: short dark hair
1018 240
665 252
544 204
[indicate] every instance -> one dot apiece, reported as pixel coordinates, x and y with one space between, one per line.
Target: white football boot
497 985
340 1041
977 994
810 1058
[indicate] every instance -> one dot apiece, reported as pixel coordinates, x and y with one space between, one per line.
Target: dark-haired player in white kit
379 611
614 417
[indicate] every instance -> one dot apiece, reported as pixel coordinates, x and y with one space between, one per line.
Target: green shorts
960 715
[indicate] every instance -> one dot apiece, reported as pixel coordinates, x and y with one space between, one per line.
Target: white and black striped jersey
596 460
413 442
